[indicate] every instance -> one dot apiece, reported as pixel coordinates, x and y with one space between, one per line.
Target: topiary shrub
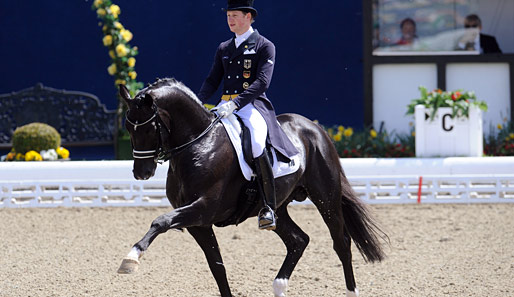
36 137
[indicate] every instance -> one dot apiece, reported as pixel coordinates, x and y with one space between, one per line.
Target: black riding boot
266 181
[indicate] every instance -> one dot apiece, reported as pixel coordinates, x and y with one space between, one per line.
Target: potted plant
448 123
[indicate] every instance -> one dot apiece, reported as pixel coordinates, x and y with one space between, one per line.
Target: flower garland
116 39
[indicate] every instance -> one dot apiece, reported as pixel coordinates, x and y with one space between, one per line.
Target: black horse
205 183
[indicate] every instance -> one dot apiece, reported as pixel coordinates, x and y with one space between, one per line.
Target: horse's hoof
128 266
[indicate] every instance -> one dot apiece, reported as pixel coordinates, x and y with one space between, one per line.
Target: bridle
138 154
160 154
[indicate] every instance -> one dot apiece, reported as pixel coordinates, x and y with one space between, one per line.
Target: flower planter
444 136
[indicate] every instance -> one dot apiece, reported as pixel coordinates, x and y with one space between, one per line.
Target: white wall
490 81
394 86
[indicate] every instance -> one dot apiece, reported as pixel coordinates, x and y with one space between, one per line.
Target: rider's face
238 22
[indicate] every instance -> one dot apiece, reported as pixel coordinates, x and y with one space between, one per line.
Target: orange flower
455 96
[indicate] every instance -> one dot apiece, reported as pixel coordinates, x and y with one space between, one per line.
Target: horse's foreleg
206 238
296 241
182 217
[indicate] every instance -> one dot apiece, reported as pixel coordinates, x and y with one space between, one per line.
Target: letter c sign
445 128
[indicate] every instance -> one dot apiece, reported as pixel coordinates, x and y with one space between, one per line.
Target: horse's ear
148 100
124 93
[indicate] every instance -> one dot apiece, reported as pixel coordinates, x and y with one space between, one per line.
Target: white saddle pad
233 128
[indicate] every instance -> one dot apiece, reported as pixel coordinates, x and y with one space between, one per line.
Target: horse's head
142 123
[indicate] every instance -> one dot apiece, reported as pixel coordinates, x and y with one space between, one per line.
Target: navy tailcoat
246 71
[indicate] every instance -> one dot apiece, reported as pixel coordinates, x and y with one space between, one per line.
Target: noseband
160 154
151 153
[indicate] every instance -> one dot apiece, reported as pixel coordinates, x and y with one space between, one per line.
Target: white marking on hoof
280 287
352 294
130 263
134 253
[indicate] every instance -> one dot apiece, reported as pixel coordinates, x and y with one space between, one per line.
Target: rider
245 64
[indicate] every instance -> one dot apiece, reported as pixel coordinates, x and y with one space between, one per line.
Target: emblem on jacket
246 85
246 74
247 64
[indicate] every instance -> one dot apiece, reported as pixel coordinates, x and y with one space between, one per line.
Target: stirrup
267 219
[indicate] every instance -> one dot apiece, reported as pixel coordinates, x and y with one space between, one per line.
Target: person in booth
408 31
485 44
245 64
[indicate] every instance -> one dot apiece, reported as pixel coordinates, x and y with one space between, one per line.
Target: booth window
420 27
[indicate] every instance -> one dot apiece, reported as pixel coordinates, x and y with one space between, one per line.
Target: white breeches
257 126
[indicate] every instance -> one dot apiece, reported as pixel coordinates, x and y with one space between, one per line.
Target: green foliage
501 144
35 136
459 101
369 143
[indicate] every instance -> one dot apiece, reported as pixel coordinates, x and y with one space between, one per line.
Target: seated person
408 29
485 44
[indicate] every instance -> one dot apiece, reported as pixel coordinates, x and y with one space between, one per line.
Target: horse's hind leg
342 246
296 241
332 214
205 237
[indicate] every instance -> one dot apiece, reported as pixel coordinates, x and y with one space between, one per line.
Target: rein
160 155
165 155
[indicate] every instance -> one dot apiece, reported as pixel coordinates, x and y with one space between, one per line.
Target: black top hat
242 5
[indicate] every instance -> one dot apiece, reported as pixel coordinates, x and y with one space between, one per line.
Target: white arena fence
376 181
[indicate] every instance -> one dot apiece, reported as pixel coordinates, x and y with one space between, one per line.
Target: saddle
240 138
249 200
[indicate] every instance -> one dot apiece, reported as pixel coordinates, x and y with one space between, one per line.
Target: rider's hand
227 109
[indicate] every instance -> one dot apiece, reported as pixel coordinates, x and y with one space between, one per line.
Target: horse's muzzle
143 174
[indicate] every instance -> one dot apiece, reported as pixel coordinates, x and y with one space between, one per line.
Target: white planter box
447 137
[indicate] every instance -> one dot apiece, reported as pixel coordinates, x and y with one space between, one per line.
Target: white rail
110 183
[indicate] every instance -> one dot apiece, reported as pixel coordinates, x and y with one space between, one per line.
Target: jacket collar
248 44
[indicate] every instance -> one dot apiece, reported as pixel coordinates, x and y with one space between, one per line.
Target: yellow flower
111 54
330 132
101 12
121 50
63 153
340 129
131 62
337 137
107 40
373 133
132 74
104 28
33 156
98 2
511 135
126 34
499 126
348 132
413 134
118 25
20 156
111 69
115 10
120 82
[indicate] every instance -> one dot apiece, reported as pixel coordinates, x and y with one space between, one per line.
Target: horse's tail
361 226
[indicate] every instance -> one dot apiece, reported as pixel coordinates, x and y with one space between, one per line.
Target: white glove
227 109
